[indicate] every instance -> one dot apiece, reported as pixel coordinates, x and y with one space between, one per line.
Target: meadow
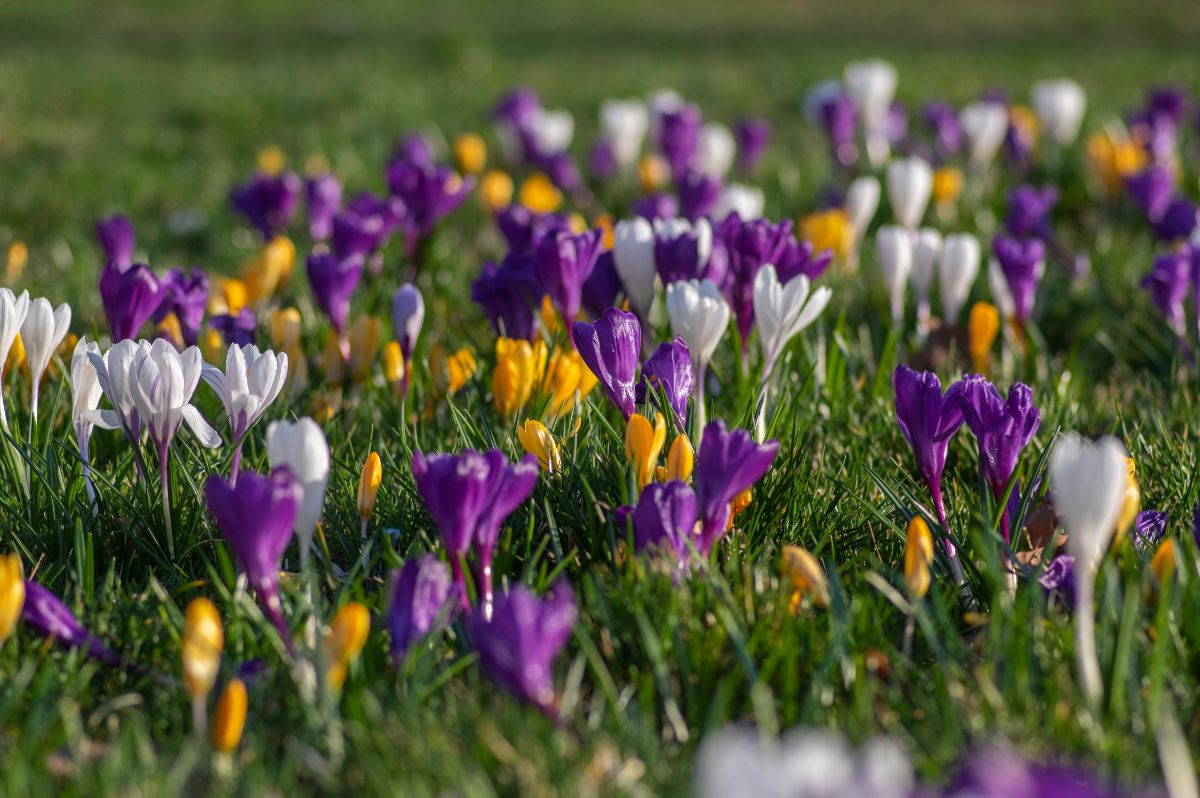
158 111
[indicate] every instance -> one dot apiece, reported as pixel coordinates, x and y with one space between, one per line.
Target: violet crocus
517 645
364 226
682 250
429 193
1058 579
239 328
610 348
798 258
130 298
506 295
947 134
839 120
656 206
698 194
670 371
1168 283
1002 773
1029 210
746 247
323 198
1022 263
728 463
602 161
408 314
186 295
753 135
116 237
415 148
422 597
255 516
1149 527
1151 190
523 229
929 419
1002 427
564 262
268 201
601 287
47 615
1177 222
664 521
679 136
333 280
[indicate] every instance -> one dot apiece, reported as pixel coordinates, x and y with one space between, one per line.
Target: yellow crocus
519 364
918 557
1131 500
270 269
1025 120
284 326
451 372
681 458
806 576
366 334
829 230
297 376
539 194
228 295
316 164
538 441
566 377
200 651
1113 156
495 190
983 324
947 186
607 227
393 365
551 322
12 594
643 443
470 151
347 636
230 718
212 346
170 329
18 257
1163 564
332 362
368 485
653 172
271 159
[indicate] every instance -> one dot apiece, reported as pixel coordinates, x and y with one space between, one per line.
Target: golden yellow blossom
983 324
495 190
366 335
18 257
539 194
12 594
519 364
230 718
200 651
284 326
947 186
806 576
271 159
643 444
918 557
347 636
829 230
1163 564
538 441
368 485
653 172
470 152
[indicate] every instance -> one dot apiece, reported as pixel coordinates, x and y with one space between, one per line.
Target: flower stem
699 392
235 463
199 715
164 470
1085 637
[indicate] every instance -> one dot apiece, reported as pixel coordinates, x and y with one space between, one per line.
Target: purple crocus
1029 211
116 237
1058 578
1149 527
415 148
408 314
665 521
365 225
239 328
1022 263
929 419
186 295
517 645
745 247
506 294
1167 284
564 262
47 615
839 120
753 135
523 229
561 169
679 136
429 193
895 123
656 206
727 464
1177 222
1002 427
1151 190
610 348
422 597
268 201
602 162
255 516
333 280
130 298
797 257
698 194
670 371
602 285
1001 773
943 122
323 198
682 251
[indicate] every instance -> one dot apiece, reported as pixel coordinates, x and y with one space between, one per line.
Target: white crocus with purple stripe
251 382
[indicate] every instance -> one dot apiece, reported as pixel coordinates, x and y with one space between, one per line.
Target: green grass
157 109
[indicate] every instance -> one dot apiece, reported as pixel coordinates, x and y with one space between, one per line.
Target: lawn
156 110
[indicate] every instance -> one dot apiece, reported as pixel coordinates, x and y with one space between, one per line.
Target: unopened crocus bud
230 718
495 191
958 267
538 441
983 324
895 247
518 366
681 459
366 333
539 194
909 184
1131 500
805 576
393 367
918 556
1163 564
643 444
203 641
470 151
12 594
283 326
347 636
947 186
368 485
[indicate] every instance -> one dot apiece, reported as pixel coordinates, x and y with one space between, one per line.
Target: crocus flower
1001 773
682 249
610 348
41 333
715 150
957 269
918 557
656 206
782 311
909 185
633 255
624 124
1058 578
116 237
506 294
229 719
86 393
1151 190
1029 210
251 381
130 297
365 225
117 374
186 296
1177 222
747 246
1149 527
1059 105
49 617
927 252
985 124
699 194
602 286
699 315
895 246
517 644
871 84
601 163
947 132
518 366
1001 427
255 517
643 444
323 195
679 136
564 262
539 441
746 201
12 594
669 370
1168 283
727 464
200 648
333 281
1088 481
429 193
239 328
862 201
753 135
268 201
1022 264
300 447
664 522
422 598
838 119
13 311
523 229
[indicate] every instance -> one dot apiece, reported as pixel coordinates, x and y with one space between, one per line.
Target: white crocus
633 255
86 393
895 246
984 123
13 310
624 123
909 184
862 201
872 86
1002 298
746 201
115 372
408 314
700 315
301 447
251 381
1088 482
42 332
1059 105
927 250
782 311
957 269
715 150
553 130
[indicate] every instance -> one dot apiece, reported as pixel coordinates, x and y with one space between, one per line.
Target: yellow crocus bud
12 594
539 194
983 324
368 485
393 365
495 190
1025 120
680 459
829 230
918 556
283 325
297 376
347 636
551 322
606 225
643 444
1163 564
271 159
1131 501
230 718
316 164
653 172
739 505
470 151
203 640
519 365
806 576
947 186
18 257
366 334
170 329
16 356
577 223
332 362
325 407
272 268
451 372
212 346
539 442
229 295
